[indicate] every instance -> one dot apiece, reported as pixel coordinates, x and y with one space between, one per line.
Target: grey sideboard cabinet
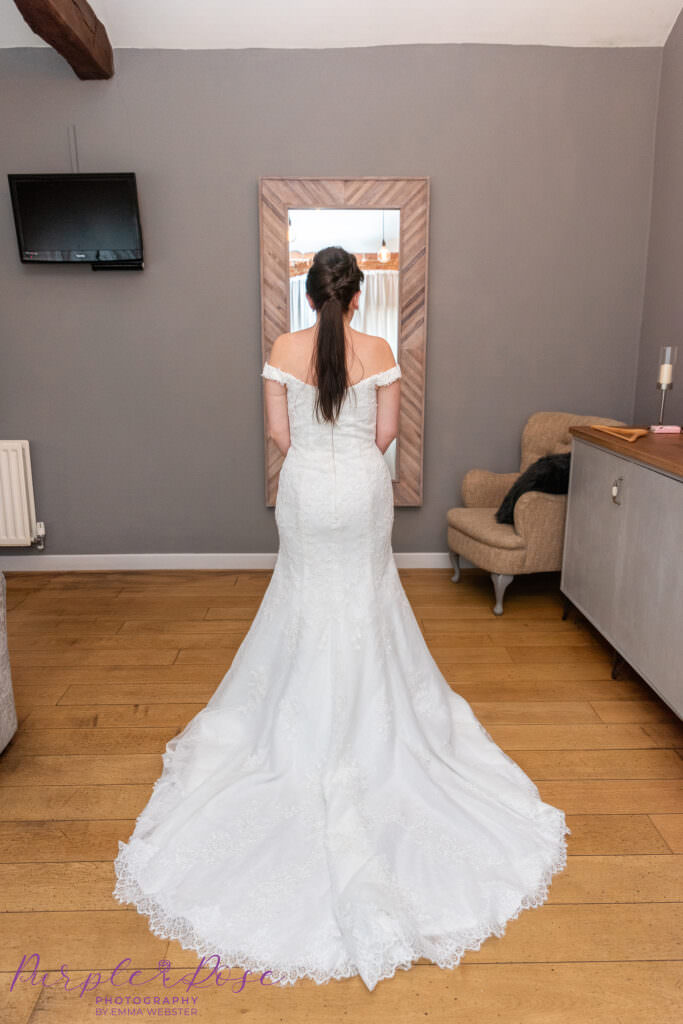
622 564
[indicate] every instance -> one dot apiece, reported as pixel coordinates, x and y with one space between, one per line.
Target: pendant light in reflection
383 254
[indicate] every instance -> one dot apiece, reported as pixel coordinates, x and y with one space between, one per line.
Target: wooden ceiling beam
73 29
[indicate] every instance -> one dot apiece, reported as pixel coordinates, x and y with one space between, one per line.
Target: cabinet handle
615 490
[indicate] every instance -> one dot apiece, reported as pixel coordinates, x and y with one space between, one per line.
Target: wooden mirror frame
409 195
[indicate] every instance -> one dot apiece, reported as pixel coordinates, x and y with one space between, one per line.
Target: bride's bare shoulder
376 353
287 350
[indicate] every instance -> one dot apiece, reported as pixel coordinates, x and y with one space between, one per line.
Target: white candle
665 373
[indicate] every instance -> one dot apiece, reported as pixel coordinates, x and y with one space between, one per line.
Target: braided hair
332 281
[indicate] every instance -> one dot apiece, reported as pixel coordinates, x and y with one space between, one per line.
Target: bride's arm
277 416
388 403
388 394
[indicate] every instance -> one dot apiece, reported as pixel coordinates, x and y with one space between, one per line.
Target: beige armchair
535 542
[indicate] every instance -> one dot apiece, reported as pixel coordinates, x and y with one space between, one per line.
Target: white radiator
17 504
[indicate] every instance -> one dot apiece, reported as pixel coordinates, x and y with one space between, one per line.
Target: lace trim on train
445 951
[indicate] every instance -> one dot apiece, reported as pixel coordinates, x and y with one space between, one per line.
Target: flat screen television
78 218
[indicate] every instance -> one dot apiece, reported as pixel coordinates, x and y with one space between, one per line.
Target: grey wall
140 392
663 309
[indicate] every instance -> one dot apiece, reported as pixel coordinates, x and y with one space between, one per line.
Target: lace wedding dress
336 809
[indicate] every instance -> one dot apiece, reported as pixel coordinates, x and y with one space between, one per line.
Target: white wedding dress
336 809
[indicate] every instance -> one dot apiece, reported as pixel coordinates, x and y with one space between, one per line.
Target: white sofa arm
8 712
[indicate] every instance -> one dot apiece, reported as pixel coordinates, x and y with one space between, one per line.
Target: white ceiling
227 24
355 230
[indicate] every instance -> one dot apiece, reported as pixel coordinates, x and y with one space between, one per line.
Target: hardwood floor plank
73 803
487 655
645 710
558 654
548 712
542 689
606 796
17 580
236 609
670 827
69 579
576 737
218 658
93 602
666 734
144 693
600 764
80 940
67 625
78 657
441 620
18 999
610 879
112 716
214 591
547 674
20 770
557 934
440 636
540 611
94 675
35 841
240 621
187 627
75 885
229 637
37 695
614 834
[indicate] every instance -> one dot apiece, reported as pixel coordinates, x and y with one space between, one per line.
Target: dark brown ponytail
332 281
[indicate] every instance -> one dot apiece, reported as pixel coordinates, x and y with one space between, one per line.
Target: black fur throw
549 474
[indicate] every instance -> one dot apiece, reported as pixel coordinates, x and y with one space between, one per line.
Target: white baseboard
122 563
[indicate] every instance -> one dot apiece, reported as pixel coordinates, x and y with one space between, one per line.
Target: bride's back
329 369
354 430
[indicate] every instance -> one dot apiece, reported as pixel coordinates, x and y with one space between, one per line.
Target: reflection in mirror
373 237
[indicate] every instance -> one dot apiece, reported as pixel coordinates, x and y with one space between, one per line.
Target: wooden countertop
662 451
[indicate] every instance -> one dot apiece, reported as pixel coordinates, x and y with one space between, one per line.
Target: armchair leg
501 581
455 561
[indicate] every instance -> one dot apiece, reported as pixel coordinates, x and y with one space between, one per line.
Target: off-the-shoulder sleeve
272 373
388 376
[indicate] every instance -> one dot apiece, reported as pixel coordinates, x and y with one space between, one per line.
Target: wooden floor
108 666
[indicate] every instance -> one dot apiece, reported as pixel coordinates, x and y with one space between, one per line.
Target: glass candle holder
668 355
667 358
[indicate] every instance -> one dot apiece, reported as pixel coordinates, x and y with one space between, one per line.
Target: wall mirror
384 222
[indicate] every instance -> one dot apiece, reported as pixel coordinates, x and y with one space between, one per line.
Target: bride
336 809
